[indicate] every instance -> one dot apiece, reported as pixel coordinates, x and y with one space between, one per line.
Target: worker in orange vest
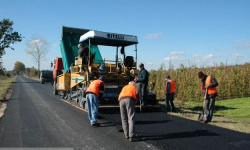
169 90
93 93
127 99
208 84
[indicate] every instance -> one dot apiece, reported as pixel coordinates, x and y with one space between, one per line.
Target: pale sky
185 32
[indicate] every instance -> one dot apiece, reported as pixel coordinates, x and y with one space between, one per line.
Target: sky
183 32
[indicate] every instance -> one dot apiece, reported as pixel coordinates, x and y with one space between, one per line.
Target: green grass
5 82
238 108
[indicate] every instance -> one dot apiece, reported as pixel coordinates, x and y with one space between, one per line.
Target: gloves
207 86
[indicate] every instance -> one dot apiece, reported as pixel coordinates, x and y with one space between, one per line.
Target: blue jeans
92 102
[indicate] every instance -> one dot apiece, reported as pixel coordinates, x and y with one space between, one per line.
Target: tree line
37 47
233 81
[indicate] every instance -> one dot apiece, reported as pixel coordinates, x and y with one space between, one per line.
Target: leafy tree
7 36
19 67
37 47
33 71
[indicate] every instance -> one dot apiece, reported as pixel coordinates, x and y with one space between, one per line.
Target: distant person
93 93
143 80
127 100
169 90
208 84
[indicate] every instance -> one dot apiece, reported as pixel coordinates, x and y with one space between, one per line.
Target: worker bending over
127 100
93 93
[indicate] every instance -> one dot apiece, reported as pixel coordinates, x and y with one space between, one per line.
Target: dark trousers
170 98
209 107
144 94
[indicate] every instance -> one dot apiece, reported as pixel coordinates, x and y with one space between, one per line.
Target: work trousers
92 103
144 94
127 109
209 107
170 98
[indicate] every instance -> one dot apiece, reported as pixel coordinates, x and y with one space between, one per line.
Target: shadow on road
106 124
217 108
152 122
196 133
27 82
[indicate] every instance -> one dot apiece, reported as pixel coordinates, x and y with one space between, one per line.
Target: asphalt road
36 118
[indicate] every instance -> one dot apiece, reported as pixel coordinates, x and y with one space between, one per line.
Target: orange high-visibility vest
172 86
210 90
94 87
128 91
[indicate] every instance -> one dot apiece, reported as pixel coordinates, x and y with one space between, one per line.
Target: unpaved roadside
6 97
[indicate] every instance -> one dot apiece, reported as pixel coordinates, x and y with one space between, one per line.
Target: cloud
196 56
238 41
210 56
236 55
36 42
246 45
170 58
153 35
177 53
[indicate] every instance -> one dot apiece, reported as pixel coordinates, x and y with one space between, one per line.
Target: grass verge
5 84
232 114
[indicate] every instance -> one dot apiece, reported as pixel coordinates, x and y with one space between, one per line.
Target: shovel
203 116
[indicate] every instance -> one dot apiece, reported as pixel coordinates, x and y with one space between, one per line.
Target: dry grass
5 84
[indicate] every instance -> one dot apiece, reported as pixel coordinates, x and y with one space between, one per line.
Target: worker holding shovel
208 87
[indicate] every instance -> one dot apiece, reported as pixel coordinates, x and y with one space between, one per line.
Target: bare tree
37 47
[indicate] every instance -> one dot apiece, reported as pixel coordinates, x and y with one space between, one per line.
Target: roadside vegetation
5 84
233 100
233 81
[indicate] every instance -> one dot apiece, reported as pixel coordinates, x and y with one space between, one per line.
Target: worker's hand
136 79
207 86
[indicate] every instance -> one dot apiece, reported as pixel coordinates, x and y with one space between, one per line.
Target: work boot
95 125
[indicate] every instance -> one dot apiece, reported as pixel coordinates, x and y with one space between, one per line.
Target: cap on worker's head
200 74
141 65
167 76
101 78
131 82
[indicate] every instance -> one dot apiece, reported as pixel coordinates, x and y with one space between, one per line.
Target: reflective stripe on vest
94 87
210 90
128 91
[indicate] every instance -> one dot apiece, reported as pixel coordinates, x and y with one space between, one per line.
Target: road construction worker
127 100
93 93
143 80
169 90
83 52
208 84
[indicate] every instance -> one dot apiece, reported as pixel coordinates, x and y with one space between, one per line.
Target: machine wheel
42 81
55 91
84 105
62 95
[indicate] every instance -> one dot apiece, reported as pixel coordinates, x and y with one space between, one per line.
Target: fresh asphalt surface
36 118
